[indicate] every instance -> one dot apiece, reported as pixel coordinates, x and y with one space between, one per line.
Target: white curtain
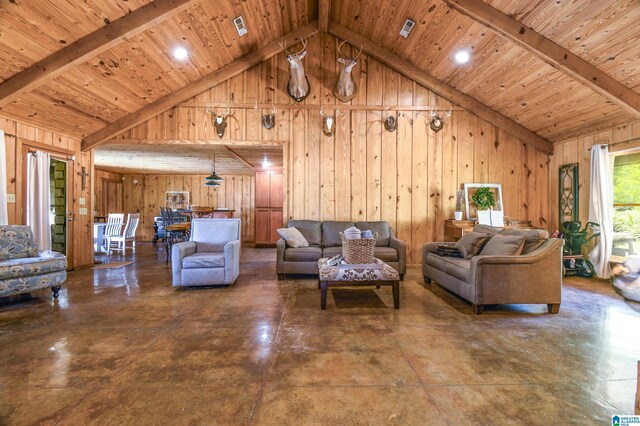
38 198
4 217
601 208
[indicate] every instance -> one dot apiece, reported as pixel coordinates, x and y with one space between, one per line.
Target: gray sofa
23 268
324 241
535 276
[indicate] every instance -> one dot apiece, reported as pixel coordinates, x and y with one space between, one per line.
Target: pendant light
213 179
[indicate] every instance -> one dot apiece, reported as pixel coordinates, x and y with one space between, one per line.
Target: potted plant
485 201
459 203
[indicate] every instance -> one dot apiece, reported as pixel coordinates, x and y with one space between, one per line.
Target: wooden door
262 226
275 222
262 189
276 191
112 196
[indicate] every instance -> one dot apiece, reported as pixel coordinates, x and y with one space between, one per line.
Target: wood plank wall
83 224
98 200
408 177
145 194
576 150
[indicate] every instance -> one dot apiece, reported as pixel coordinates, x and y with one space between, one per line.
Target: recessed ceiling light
265 163
180 53
462 57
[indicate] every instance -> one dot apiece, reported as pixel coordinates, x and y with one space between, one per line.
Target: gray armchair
210 257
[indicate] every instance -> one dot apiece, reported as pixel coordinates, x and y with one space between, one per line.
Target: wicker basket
358 250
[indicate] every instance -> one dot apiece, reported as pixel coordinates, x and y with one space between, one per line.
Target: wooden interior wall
408 177
145 194
576 150
98 199
83 224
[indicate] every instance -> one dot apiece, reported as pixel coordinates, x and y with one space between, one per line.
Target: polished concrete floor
121 346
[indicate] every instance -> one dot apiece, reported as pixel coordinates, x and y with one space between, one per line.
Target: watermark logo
625 421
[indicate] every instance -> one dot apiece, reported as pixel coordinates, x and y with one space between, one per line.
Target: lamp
213 179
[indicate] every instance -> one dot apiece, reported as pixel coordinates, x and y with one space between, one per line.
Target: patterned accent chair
23 268
210 257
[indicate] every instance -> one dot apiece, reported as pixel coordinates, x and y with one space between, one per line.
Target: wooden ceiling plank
550 52
242 160
192 89
87 47
440 88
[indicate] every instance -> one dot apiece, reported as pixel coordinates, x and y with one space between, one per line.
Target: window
626 204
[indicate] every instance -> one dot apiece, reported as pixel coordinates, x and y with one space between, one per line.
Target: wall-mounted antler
391 122
345 88
437 122
328 121
219 121
298 87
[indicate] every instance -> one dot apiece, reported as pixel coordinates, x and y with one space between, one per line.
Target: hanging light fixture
213 179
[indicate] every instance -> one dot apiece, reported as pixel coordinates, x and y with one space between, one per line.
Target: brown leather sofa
532 277
324 241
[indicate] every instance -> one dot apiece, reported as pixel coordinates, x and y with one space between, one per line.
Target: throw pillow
504 245
293 237
470 244
486 229
533 238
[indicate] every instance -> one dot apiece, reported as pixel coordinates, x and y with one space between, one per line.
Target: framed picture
568 193
494 217
176 200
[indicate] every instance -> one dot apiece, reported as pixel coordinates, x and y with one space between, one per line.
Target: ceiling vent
406 29
240 27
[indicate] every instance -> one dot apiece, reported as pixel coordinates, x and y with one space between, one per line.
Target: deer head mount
391 122
437 122
298 87
219 121
268 120
345 88
329 121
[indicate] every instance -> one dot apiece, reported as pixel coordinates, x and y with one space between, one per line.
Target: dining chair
114 227
129 234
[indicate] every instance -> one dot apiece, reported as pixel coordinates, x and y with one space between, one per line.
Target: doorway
58 202
61 166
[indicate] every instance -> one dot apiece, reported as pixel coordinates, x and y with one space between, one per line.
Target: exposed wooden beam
317 107
443 89
242 160
220 142
324 14
196 87
89 46
550 52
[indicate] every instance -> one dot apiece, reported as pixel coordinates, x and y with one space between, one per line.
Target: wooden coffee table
377 274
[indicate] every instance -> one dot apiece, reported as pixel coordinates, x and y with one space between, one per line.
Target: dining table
175 233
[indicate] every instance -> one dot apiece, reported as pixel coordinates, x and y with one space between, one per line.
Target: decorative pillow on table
293 237
504 245
470 244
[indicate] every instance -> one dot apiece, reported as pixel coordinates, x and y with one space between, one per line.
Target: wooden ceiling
503 75
139 69
187 159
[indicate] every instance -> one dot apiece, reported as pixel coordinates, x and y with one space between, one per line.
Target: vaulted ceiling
78 67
